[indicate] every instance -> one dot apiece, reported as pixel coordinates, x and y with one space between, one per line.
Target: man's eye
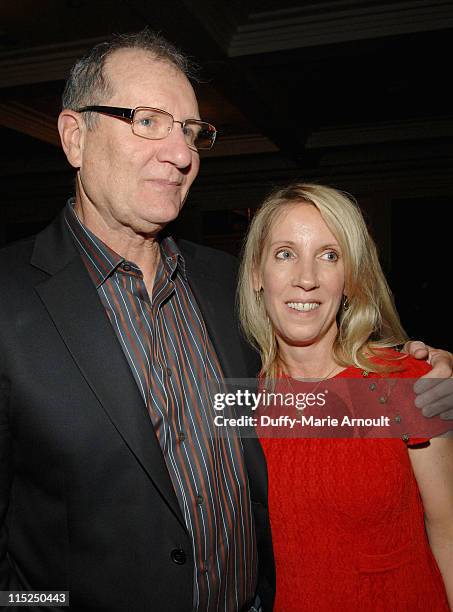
284 254
146 121
191 133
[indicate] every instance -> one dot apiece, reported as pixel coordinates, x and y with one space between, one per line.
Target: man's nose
174 148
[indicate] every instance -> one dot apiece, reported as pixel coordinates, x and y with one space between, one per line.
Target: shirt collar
101 261
172 257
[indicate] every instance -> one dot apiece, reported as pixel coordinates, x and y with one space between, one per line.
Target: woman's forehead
297 220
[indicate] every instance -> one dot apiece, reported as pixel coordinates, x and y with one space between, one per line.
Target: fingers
435 389
417 349
436 398
441 369
425 383
442 363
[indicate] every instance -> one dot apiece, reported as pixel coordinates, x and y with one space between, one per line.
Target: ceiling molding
41 64
216 18
29 121
247 144
333 22
351 135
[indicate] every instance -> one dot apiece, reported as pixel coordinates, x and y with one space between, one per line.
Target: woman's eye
284 254
146 122
331 256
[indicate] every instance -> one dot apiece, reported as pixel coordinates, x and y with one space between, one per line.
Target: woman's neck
312 361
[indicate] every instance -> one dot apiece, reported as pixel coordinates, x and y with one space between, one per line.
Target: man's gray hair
88 85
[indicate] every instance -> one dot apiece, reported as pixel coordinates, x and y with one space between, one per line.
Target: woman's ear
71 128
256 279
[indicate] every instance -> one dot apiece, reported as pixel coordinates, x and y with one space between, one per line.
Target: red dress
347 524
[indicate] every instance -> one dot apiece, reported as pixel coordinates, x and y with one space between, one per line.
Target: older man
114 484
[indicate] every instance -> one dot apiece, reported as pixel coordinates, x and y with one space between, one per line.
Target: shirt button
178 556
382 399
373 386
200 500
181 436
168 370
397 419
204 569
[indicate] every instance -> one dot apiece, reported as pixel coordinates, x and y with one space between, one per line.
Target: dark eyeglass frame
128 114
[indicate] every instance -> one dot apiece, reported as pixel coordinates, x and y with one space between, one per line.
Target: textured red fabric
347 524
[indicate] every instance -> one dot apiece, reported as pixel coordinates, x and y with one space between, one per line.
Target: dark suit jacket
86 503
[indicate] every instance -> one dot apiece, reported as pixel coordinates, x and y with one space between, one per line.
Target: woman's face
302 277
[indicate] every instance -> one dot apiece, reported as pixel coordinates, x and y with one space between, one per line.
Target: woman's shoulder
402 365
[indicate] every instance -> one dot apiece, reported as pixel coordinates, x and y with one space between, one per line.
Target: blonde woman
358 524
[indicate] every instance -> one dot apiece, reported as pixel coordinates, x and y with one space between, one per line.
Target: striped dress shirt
174 364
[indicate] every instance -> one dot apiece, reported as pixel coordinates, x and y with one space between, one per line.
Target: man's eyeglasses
156 124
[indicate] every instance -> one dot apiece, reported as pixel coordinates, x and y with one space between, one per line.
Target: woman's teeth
303 307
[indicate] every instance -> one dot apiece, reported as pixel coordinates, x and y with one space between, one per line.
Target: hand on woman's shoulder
405 366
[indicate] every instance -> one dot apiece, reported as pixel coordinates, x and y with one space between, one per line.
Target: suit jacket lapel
73 304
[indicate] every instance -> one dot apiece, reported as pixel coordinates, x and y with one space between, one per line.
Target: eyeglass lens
155 125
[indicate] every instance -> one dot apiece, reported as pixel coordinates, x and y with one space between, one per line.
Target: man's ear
72 128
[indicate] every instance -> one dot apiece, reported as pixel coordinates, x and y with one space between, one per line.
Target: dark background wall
354 94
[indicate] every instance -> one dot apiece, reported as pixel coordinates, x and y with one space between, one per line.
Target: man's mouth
165 182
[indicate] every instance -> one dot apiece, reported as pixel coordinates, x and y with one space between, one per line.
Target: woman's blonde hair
368 324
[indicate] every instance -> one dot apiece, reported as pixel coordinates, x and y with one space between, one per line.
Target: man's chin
154 223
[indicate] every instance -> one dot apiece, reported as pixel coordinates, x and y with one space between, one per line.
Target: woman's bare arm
433 468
